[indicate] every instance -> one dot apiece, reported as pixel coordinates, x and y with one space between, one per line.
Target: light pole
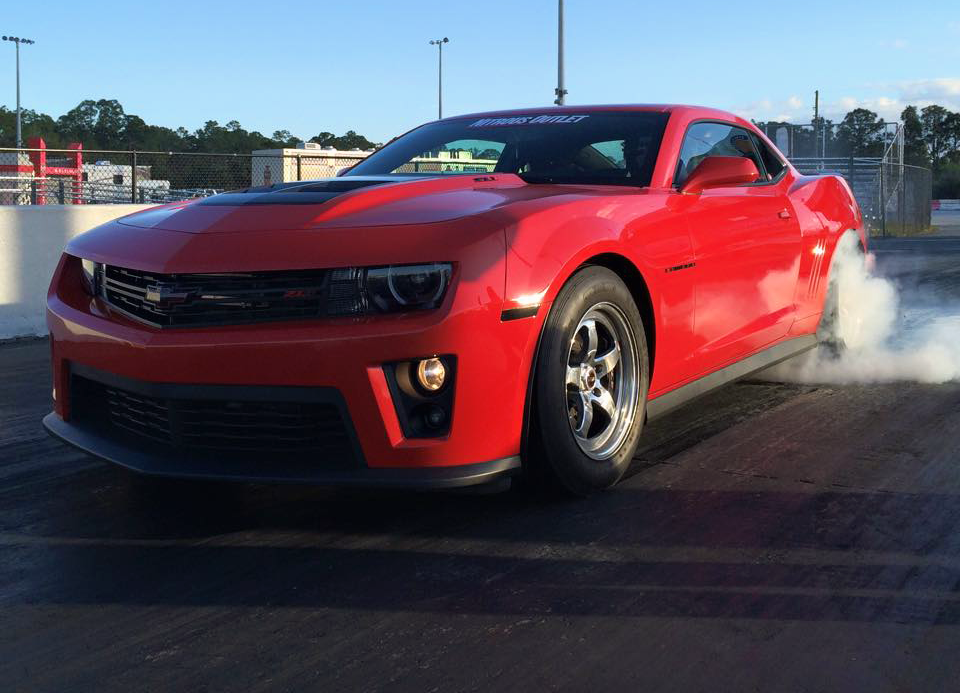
16 42
559 91
439 44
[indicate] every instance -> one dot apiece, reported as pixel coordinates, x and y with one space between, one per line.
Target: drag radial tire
829 327
840 321
590 388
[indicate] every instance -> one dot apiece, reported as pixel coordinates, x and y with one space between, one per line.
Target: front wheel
591 382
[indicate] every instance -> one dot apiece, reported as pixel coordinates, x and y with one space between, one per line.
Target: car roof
693 112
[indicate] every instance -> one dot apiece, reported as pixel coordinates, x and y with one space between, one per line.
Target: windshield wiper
530 178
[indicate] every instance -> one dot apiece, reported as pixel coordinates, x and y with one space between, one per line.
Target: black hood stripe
299 193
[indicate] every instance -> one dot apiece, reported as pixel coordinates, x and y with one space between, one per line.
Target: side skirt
741 369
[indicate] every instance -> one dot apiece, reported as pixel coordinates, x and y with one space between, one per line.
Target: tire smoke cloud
878 333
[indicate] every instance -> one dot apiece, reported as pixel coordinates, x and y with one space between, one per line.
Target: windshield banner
528 120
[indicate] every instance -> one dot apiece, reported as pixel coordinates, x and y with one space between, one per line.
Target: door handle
783 214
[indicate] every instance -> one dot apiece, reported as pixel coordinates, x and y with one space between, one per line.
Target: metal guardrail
58 190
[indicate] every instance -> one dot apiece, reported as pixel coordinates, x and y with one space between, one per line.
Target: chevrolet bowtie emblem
165 296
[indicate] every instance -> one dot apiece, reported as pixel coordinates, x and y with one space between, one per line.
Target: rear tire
828 331
591 383
840 321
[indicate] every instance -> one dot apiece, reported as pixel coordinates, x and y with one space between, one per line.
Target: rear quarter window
771 160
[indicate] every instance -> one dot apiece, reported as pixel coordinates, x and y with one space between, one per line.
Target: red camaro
485 293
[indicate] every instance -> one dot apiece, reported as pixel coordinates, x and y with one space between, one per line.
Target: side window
612 150
713 139
604 159
771 161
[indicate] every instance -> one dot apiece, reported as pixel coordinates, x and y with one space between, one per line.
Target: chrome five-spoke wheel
590 390
602 381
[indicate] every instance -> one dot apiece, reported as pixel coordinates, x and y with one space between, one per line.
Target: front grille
254 430
194 300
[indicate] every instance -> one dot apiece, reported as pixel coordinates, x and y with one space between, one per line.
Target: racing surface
945 222
769 537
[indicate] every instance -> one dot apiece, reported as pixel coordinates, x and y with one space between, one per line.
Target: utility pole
439 44
16 42
560 91
816 120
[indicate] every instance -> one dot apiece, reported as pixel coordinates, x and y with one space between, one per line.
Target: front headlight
406 287
92 271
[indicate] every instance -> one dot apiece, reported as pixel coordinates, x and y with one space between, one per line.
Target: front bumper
345 356
131 457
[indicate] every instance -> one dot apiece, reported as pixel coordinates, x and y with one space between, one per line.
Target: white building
449 161
310 161
307 162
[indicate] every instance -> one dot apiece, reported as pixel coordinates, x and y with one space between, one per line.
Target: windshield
610 148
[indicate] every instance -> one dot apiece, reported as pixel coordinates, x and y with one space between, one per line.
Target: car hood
350 201
380 223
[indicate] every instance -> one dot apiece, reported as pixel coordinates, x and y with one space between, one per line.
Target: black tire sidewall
829 319
574 470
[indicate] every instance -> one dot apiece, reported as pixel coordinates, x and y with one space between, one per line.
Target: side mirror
720 171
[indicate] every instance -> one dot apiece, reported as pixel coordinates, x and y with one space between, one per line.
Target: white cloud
889 104
940 88
848 103
770 109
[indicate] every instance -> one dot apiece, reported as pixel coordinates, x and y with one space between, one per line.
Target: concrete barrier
32 239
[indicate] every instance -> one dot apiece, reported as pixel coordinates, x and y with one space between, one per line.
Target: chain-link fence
824 140
894 197
903 199
49 176
897 202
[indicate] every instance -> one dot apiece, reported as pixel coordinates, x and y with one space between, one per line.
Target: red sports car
484 294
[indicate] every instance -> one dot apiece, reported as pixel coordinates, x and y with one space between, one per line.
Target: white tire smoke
876 336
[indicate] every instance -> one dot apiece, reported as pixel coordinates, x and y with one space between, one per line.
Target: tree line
103 124
931 138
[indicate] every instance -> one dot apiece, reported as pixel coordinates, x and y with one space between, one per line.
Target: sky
366 65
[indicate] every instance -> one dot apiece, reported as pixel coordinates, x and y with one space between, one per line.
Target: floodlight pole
439 44
559 91
19 135
16 42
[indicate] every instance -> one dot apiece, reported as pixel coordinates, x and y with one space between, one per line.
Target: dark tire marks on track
769 537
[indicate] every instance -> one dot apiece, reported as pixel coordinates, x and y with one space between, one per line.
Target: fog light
431 374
